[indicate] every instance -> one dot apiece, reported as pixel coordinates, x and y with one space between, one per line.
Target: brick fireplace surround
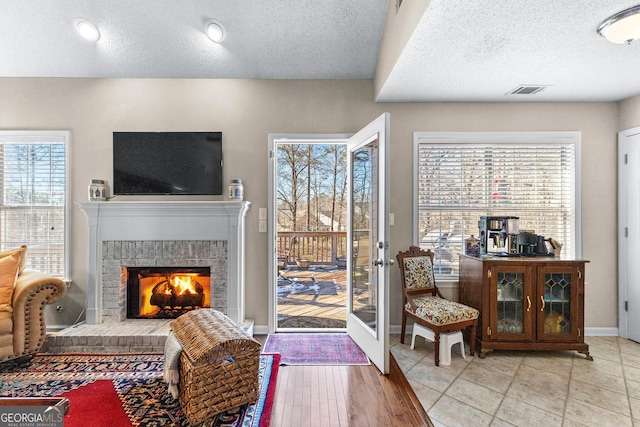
168 233
171 233
118 255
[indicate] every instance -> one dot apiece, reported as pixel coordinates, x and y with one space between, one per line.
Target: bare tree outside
311 194
312 186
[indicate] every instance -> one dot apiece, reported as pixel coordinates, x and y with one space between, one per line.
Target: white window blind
33 198
529 176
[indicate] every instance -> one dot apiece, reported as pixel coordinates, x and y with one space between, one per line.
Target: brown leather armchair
23 332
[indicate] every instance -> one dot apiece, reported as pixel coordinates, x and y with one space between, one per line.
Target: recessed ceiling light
623 27
87 29
215 30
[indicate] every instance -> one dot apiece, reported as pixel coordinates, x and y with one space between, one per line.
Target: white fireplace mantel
166 220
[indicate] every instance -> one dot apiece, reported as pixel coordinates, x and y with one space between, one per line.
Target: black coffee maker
527 243
531 244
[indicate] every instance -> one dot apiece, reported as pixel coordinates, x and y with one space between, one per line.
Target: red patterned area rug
315 349
123 390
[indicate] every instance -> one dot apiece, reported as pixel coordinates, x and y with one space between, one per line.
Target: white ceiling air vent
527 90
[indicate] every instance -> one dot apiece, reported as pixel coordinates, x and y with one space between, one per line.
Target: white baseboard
260 329
257 329
395 329
601 332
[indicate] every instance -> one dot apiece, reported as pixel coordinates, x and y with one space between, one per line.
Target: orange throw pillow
9 266
22 250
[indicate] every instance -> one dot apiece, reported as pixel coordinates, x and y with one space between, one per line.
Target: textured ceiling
482 49
279 39
462 50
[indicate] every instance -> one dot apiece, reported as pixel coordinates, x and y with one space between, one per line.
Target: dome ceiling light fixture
87 29
215 30
623 27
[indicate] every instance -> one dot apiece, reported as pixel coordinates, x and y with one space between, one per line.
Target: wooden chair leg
436 342
472 339
404 328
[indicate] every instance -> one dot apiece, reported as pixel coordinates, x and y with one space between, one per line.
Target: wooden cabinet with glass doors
525 303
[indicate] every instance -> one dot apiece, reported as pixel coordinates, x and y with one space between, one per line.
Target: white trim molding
166 221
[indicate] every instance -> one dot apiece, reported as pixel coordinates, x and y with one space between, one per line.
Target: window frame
50 136
497 138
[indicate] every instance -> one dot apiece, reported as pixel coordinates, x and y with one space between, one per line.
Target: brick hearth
128 336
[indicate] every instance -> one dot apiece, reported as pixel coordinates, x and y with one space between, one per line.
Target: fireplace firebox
166 292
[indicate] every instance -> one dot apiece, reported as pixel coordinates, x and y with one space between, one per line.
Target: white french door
368 241
629 232
270 218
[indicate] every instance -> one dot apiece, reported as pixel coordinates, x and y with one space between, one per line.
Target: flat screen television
165 163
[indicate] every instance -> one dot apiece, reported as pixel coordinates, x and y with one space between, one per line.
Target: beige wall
247 110
630 113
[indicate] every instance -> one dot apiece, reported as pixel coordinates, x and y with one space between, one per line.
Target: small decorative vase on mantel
236 189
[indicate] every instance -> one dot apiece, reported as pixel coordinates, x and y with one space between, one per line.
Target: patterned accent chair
424 303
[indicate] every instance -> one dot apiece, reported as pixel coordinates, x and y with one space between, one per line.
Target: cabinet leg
483 353
587 355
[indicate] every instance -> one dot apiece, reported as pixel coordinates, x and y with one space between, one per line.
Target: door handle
542 300
377 262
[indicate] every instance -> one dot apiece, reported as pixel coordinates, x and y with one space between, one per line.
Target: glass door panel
512 305
555 303
368 237
364 218
510 313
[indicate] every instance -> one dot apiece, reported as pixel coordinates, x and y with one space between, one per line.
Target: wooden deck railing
320 247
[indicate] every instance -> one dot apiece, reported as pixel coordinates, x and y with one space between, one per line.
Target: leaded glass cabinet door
557 297
511 303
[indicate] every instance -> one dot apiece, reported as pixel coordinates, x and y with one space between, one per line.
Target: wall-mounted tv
163 163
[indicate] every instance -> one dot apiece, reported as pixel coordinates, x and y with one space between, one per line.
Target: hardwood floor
328 396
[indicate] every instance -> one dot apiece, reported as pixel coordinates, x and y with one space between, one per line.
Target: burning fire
174 291
183 285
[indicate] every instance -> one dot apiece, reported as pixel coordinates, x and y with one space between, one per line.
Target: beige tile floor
518 388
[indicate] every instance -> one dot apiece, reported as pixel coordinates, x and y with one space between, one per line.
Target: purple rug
315 349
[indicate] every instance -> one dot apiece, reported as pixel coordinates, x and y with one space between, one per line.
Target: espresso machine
528 243
531 244
499 235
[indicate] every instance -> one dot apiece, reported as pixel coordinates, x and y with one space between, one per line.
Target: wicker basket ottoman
218 365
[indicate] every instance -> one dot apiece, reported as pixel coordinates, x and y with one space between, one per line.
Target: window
460 177
33 204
